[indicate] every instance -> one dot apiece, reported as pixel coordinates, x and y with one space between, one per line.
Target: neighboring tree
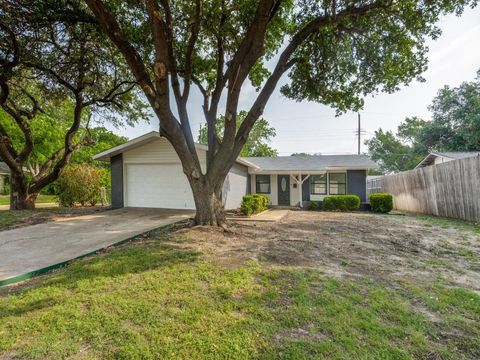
335 52
256 144
391 153
102 139
56 73
455 126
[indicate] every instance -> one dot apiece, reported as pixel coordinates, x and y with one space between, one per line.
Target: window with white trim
262 184
318 184
337 183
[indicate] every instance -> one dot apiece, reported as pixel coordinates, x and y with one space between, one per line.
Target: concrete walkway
29 249
270 215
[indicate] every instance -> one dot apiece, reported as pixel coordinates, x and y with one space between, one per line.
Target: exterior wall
116 166
161 152
158 151
306 189
294 193
273 196
357 183
440 160
236 185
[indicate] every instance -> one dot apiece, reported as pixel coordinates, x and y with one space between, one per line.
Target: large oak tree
56 73
334 52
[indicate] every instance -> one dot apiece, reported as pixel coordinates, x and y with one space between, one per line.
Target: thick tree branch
285 62
113 31
190 47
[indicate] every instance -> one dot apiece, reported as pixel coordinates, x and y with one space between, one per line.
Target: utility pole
359 132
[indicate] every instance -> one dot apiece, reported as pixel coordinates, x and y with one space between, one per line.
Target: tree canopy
58 75
455 126
257 143
397 152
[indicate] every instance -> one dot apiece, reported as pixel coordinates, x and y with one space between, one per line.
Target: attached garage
146 172
157 186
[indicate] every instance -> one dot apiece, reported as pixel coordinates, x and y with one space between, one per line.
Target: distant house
146 172
435 158
4 173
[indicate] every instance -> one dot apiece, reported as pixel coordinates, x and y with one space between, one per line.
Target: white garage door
157 186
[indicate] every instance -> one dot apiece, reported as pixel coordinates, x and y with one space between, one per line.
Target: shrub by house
80 184
341 203
254 203
381 202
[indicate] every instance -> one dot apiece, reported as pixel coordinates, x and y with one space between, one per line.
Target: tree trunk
20 199
209 205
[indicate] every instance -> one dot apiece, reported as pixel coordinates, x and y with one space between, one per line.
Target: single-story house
4 174
146 172
435 158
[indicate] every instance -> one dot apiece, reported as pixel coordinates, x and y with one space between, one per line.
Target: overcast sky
313 128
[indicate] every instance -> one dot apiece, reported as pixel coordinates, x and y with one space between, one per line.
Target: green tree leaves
257 143
455 126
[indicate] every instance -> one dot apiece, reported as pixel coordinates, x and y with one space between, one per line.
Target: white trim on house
303 172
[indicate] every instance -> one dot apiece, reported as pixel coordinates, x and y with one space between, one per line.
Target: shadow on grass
101 269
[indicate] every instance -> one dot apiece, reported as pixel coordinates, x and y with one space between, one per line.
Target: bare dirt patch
381 247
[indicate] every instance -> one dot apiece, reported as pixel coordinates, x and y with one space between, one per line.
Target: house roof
263 164
454 155
4 168
312 163
132 144
144 139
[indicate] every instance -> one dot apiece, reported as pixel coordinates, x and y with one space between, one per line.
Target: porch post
299 184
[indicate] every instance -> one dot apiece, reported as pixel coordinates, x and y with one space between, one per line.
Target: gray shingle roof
314 163
458 154
4 168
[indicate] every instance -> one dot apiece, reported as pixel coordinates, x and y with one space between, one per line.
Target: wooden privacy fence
451 189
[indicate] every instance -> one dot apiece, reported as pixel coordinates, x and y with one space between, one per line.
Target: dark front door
283 189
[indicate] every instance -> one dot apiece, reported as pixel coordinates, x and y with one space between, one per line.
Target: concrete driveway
30 250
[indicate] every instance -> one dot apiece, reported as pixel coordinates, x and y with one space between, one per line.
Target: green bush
80 184
254 203
381 202
341 202
6 189
313 205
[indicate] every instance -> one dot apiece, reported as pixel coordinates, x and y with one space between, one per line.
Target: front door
283 189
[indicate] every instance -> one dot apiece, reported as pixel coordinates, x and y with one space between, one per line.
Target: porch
297 190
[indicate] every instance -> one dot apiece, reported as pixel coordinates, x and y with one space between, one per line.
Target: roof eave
309 171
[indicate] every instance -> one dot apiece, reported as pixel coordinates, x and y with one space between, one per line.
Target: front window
318 184
337 184
262 184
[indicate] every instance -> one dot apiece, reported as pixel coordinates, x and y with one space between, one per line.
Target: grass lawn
42 199
204 294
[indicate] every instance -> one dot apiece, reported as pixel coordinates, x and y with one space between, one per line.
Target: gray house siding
116 166
357 183
305 189
236 185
